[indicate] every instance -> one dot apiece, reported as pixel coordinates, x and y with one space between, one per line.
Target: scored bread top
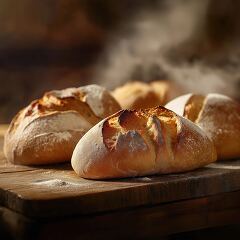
64 114
92 102
144 126
217 115
141 142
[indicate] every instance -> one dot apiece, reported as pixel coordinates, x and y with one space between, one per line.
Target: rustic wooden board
150 222
56 191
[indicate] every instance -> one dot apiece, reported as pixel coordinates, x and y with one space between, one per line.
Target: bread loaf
48 129
140 95
217 115
141 142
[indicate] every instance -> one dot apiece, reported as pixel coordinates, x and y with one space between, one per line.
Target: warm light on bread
141 142
217 115
140 95
48 129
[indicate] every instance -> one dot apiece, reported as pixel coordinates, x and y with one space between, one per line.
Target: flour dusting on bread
218 116
142 142
51 126
130 140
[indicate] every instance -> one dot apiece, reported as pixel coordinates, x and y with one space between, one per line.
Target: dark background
53 44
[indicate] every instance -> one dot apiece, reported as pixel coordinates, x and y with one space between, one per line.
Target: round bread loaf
141 142
217 115
140 95
48 129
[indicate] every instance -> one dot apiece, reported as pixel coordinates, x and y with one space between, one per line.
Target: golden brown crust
166 90
49 103
218 116
48 129
46 148
193 107
141 142
140 95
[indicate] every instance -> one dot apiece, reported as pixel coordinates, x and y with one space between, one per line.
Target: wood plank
51 191
138 223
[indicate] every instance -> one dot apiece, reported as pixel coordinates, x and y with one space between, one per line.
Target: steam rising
171 42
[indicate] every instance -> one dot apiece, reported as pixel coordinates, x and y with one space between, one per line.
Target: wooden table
51 202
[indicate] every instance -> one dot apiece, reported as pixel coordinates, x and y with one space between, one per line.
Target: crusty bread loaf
140 95
48 129
217 115
141 142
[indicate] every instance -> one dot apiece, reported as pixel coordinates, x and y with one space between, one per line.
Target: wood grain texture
52 191
150 222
